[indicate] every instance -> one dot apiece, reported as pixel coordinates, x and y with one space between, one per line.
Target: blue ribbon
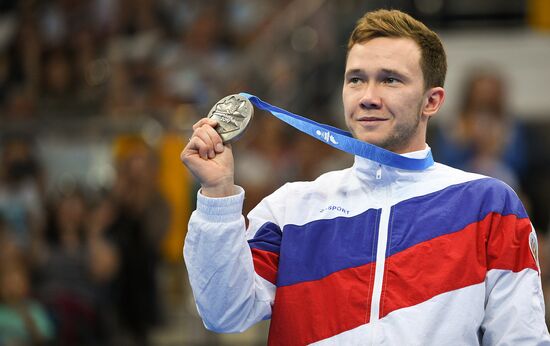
343 140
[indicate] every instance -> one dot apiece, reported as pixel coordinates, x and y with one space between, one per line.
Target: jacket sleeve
514 304
232 278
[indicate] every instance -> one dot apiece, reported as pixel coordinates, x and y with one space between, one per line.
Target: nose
370 98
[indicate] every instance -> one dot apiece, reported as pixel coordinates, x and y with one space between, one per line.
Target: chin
374 141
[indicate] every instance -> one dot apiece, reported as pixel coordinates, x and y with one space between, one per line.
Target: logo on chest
335 208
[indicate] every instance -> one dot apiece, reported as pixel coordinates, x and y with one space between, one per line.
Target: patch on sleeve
534 246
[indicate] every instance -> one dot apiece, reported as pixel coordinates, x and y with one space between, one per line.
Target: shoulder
490 192
483 182
326 183
448 176
295 194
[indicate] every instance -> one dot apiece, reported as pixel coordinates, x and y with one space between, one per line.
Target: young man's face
383 94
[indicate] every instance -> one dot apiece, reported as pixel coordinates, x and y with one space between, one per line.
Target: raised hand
209 160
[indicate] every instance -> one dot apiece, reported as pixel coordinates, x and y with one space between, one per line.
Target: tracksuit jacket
372 255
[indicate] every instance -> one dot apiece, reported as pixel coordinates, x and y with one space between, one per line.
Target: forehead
401 54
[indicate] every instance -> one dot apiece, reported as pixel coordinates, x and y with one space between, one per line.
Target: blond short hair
396 24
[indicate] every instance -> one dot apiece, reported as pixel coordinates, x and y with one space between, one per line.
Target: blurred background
97 98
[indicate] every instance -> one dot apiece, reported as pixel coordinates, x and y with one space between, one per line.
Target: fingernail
211 154
219 147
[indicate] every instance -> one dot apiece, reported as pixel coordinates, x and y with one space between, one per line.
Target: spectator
141 220
485 138
23 320
21 190
66 271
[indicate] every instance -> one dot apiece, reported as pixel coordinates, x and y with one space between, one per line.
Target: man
370 255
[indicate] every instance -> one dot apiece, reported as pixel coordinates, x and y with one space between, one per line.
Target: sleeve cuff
222 209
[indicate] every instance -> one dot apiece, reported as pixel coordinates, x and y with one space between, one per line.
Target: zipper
381 247
380 262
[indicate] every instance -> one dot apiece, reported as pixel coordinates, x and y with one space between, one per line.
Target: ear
433 100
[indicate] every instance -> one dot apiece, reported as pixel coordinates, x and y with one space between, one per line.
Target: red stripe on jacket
508 246
266 264
456 260
314 310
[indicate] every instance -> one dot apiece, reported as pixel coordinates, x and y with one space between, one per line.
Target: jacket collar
372 170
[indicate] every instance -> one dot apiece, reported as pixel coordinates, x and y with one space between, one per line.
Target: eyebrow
401 75
387 71
355 71
390 71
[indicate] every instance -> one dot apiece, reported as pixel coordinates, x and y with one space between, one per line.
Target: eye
355 80
391 80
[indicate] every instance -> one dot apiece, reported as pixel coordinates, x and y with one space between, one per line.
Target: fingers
209 121
205 140
199 146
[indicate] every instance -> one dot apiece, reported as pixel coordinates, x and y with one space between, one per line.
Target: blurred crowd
79 265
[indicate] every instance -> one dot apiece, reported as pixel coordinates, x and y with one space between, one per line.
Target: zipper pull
379 173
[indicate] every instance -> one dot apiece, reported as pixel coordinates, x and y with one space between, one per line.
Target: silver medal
233 114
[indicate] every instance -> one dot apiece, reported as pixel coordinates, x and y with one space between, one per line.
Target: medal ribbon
343 140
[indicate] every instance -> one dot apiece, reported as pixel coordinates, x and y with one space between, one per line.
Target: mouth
371 119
